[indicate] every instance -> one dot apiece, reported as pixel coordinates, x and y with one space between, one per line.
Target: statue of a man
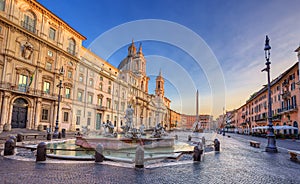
129 116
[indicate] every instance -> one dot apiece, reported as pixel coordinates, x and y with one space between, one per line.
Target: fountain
131 137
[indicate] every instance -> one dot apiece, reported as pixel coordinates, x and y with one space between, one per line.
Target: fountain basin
123 142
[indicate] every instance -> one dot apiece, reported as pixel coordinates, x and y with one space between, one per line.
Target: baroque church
149 108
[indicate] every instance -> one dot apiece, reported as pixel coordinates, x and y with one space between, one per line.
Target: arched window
72 45
29 21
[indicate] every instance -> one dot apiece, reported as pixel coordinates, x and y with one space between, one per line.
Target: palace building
47 76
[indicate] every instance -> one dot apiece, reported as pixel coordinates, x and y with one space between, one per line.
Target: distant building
191 119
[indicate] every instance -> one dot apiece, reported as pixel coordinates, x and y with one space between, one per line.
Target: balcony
27 90
261 120
101 108
287 109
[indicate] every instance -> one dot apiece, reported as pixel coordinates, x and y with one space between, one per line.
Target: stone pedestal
41 152
99 153
139 157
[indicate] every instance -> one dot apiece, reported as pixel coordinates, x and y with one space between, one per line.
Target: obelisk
197 104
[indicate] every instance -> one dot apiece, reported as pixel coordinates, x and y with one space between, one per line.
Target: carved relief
27 51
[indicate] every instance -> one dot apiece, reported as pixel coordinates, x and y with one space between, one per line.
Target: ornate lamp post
55 134
271 146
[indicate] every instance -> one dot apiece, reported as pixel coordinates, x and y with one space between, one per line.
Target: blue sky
232 30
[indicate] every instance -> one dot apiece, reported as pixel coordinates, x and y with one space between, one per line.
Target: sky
214 46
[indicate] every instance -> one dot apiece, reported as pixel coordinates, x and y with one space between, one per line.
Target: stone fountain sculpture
128 129
132 136
197 127
158 131
110 127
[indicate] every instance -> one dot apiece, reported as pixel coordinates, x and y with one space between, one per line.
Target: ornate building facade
149 109
41 56
35 45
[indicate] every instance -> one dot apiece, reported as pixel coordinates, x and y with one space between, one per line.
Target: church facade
149 108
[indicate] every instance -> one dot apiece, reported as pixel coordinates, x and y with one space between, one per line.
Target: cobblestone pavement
237 162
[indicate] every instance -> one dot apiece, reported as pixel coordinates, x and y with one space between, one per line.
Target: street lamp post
55 134
271 146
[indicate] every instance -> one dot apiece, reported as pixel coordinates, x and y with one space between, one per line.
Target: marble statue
158 131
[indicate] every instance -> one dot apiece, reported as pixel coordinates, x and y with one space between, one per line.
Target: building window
29 22
46 87
107 117
48 66
77 120
100 86
70 74
89 118
2 5
88 121
92 74
81 78
45 114
293 86
81 68
50 53
22 83
101 78
100 101
66 116
109 82
109 90
52 33
78 114
71 48
123 94
116 105
122 106
108 103
294 102
90 98
79 96
68 93
91 82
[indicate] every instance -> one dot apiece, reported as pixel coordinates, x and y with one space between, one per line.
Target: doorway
19 113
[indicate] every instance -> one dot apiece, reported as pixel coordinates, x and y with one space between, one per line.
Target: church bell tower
159 90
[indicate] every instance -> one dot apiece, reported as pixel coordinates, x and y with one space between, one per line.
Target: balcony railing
261 120
27 90
101 107
287 109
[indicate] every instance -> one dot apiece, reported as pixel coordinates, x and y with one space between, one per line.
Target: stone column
5 111
37 113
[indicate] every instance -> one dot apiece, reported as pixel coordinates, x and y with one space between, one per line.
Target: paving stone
237 162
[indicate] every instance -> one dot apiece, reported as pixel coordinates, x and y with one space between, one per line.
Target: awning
284 127
260 127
